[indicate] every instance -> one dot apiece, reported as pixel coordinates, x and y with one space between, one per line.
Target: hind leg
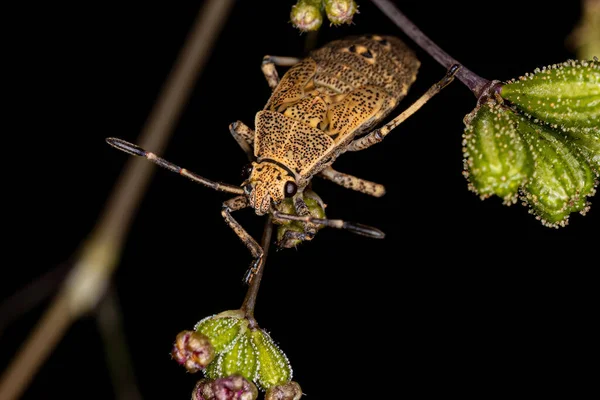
268 68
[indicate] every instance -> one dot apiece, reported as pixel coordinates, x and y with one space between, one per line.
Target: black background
462 297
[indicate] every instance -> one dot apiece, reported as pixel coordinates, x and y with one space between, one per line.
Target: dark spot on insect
290 189
352 49
383 42
246 171
367 54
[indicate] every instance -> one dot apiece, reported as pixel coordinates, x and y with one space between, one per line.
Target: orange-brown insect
325 105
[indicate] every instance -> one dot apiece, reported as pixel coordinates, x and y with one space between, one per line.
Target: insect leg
134 150
268 68
310 228
377 135
244 136
238 203
353 227
352 182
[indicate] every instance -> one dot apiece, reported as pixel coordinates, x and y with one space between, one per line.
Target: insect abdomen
384 61
340 91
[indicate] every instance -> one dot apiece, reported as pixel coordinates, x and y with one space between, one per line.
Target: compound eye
246 171
290 189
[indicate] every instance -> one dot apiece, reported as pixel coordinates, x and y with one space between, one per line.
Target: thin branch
110 324
32 295
250 300
36 348
97 259
473 81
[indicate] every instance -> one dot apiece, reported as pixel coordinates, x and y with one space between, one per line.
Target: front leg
309 228
244 136
268 68
238 203
352 182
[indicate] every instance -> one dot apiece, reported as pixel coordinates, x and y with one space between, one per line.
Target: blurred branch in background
116 351
585 39
31 295
96 260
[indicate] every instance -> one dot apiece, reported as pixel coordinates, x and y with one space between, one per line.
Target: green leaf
496 159
563 95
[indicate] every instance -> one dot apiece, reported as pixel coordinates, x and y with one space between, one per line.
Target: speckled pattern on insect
325 104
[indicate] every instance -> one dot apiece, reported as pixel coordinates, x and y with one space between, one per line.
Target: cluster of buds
537 139
307 15
236 357
234 387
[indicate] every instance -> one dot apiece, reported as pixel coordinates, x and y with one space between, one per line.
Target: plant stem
474 82
109 318
250 300
98 257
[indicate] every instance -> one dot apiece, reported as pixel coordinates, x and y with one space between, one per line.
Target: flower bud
243 350
233 387
542 139
274 367
222 329
588 143
562 178
496 159
563 95
315 206
306 15
193 350
289 391
340 11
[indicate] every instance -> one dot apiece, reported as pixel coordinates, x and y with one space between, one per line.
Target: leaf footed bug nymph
324 105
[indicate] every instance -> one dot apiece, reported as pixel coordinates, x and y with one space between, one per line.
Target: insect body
325 105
